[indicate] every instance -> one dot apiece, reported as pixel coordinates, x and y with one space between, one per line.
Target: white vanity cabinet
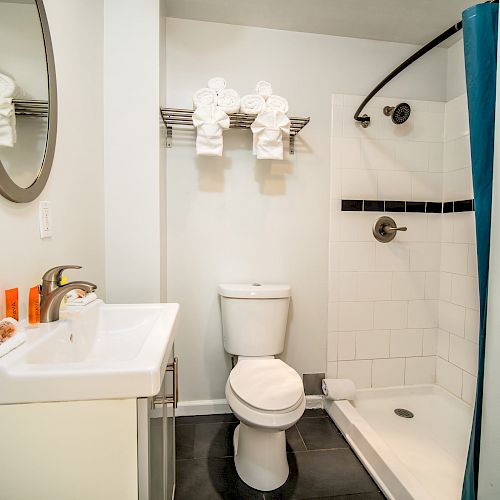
121 449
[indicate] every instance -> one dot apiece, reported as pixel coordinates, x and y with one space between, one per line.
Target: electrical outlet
45 219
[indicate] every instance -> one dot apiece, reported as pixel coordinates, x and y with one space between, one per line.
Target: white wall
238 219
132 150
383 297
455 74
75 186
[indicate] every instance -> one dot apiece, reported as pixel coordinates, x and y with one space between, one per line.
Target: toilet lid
266 384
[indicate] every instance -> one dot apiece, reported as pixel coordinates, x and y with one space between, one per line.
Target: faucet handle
55 274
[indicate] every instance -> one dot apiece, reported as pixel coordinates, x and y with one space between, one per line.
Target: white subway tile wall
404 312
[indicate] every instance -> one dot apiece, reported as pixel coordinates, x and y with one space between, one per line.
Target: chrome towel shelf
175 117
31 107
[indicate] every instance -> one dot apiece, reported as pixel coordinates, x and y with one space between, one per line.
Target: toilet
265 394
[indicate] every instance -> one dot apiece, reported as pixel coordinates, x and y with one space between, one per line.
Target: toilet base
260 457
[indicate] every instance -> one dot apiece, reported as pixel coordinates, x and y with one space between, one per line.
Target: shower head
399 113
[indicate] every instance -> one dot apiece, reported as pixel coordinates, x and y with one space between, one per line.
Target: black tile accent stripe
352 205
432 207
429 207
373 206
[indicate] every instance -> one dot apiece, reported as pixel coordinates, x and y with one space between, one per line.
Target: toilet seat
267 384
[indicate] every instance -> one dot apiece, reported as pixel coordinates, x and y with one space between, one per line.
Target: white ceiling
407 21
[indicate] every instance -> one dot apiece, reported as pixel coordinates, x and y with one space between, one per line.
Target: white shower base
418 458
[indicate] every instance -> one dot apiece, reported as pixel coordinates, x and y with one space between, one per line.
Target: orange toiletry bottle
12 303
34 307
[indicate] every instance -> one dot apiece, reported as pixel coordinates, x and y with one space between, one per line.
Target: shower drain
402 412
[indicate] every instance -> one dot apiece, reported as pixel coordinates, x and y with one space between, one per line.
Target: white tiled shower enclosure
404 312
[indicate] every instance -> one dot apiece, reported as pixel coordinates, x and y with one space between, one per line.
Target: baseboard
202 407
217 406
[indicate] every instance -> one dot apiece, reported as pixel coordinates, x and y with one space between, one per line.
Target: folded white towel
277 103
74 300
210 121
217 83
204 97
17 338
264 89
7 86
268 129
229 100
252 104
7 122
338 389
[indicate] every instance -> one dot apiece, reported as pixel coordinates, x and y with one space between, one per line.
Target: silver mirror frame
8 188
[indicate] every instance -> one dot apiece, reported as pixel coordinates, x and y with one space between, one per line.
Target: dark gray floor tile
205 440
211 479
374 495
206 419
325 473
294 441
184 441
320 434
316 412
214 440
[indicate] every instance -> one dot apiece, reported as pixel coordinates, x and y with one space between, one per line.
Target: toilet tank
254 318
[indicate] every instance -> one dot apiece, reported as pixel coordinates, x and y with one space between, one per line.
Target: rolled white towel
264 89
229 100
338 389
217 83
204 97
7 86
252 104
277 103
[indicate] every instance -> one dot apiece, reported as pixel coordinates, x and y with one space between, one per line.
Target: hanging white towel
204 97
264 89
217 83
268 129
7 112
7 122
252 104
210 122
277 103
229 100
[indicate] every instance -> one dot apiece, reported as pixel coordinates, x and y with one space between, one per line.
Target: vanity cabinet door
162 437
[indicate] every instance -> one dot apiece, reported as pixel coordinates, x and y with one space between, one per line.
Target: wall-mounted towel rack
175 117
31 107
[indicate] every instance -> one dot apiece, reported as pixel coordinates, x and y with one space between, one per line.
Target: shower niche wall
404 312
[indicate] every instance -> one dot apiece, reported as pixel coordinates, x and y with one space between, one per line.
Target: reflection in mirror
24 95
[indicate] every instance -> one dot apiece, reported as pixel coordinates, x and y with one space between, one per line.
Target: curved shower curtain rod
365 119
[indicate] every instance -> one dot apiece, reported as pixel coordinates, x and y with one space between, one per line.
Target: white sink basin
100 351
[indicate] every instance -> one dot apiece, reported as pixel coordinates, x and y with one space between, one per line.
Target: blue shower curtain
480 25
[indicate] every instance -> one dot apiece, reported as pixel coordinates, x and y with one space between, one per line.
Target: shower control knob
385 229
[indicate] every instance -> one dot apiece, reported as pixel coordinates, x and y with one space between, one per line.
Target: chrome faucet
53 292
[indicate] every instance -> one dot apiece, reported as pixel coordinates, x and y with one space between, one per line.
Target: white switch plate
45 219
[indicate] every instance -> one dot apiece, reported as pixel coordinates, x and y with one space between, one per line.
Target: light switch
45 219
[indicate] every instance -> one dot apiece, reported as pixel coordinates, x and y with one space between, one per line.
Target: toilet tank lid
254 291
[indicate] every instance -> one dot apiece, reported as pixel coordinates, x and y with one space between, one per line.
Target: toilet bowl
267 396
264 393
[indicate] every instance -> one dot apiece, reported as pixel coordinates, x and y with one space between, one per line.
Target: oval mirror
28 104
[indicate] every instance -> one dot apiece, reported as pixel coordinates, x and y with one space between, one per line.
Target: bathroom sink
99 351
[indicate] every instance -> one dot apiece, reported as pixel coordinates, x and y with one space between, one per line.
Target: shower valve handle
388 228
